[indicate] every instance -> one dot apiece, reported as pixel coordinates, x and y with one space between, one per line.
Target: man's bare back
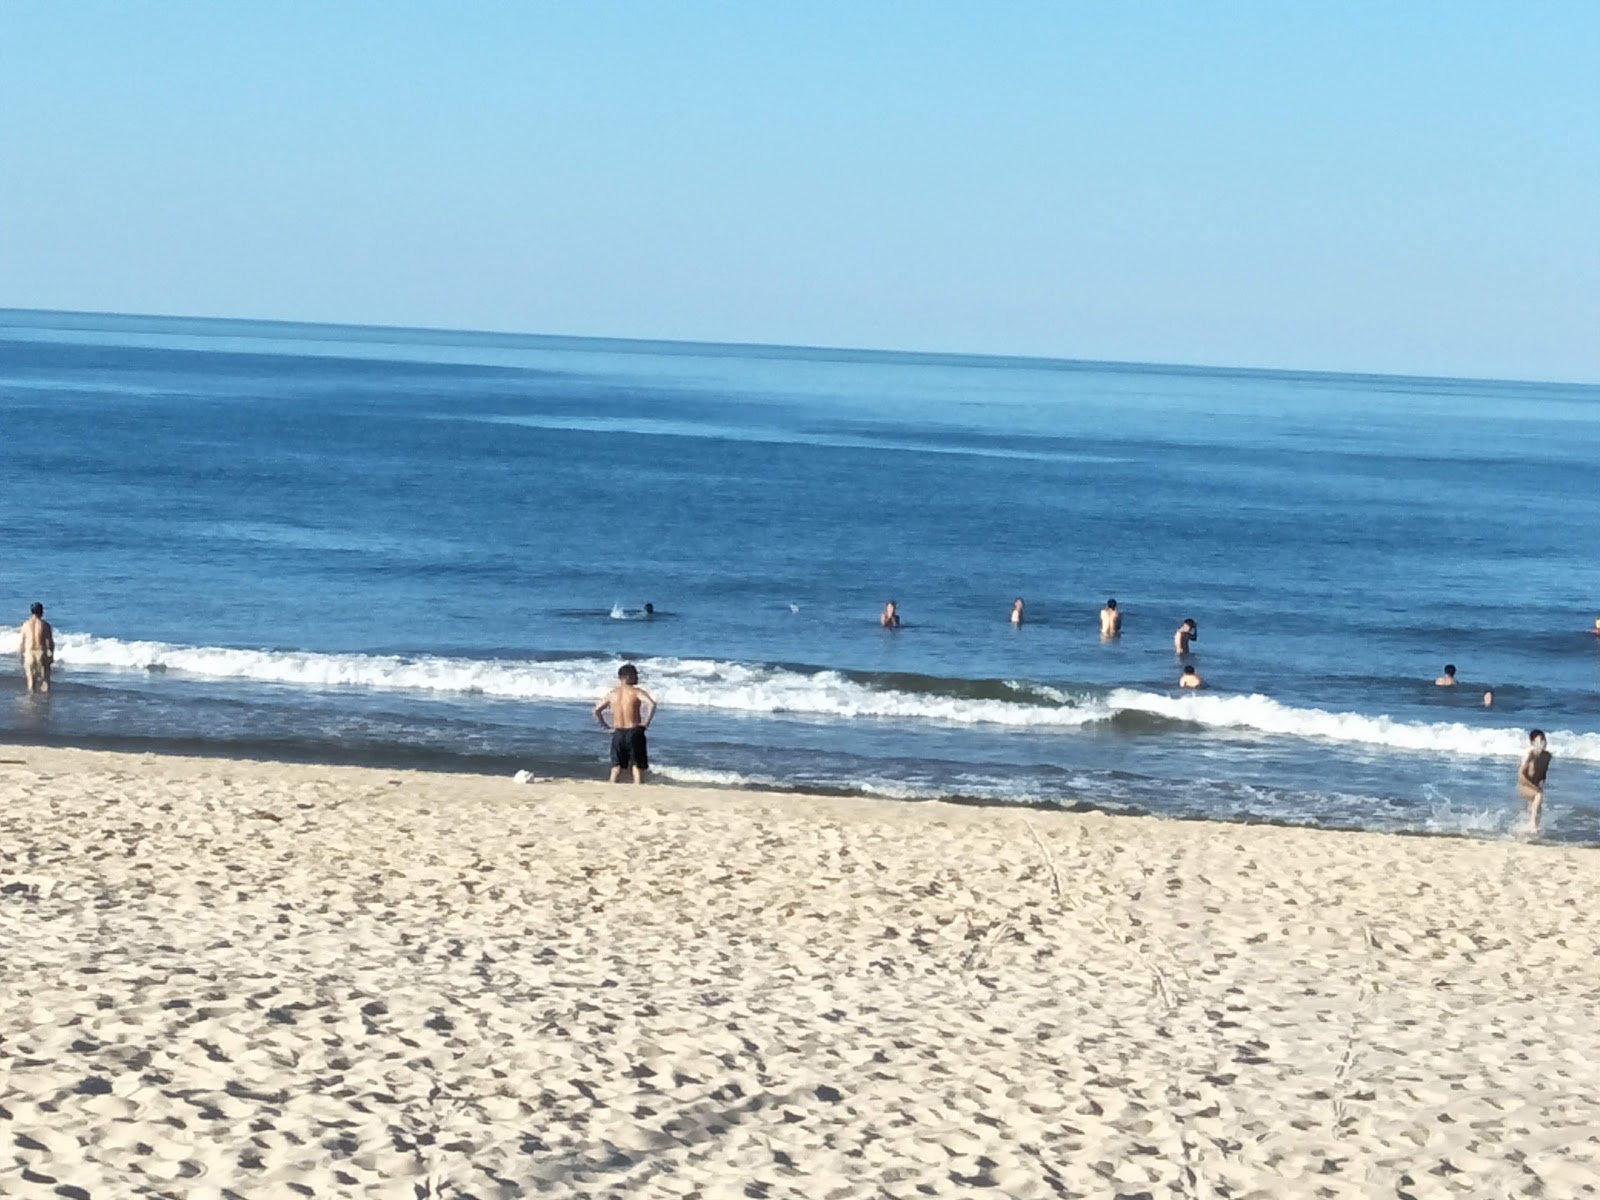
37 635
627 704
38 646
1110 620
632 710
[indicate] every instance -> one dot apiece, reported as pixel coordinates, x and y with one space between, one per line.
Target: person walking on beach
38 650
1110 620
1016 611
1190 679
632 710
1530 777
1187 632
1448 679
890 617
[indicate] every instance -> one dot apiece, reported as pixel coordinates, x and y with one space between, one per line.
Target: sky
1389 187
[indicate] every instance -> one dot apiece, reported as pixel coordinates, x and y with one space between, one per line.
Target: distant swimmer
1016 611
1530 776
1191 679
1187 632
890 617
1597 627
1448 679
38 646
649 611
1110 620
632 710
1488 698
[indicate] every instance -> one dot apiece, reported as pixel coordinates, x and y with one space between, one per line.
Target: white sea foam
758 689
887 789
709 778
694 683
1261 714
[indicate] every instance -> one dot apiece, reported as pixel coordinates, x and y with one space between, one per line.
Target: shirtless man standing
1530 776
1187 632
1016 611
1448 679
1110 620
38 650
632 710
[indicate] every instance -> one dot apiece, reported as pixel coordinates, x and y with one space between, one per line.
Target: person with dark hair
1110 620
1187 632
1448 679
632 710
889 618
1530 777
38 647
1190 679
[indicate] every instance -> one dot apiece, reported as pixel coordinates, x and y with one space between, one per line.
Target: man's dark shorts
628 749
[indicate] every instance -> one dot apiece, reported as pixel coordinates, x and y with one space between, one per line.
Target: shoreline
429 766
262 976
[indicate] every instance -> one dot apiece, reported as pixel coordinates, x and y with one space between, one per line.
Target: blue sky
1373 187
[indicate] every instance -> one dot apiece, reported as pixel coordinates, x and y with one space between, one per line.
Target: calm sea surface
431 549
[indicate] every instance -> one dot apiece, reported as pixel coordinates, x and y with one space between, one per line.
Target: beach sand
237 978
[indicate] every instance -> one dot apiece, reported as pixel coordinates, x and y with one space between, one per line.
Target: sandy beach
250 979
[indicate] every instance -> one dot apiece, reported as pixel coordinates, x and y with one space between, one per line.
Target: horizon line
963 355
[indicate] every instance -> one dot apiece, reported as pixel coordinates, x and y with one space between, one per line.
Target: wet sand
275 980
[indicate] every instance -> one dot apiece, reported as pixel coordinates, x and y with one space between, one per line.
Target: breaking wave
765 689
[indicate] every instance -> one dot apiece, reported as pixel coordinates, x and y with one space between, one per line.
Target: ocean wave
1262 714
762 689
885 789
694 683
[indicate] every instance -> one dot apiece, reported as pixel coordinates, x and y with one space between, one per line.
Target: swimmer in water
1448 679
649 611
890 617
1530 777
38 646
1110 620
1187 632
1488 698
1016 611
1191 679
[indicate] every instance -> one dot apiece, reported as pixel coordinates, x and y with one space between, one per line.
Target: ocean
433 549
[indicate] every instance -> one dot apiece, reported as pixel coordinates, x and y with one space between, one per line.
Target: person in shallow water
1187 632
1016 611
1190 679
38 646
1110 620
1530 777
889 618
1448 679
632 710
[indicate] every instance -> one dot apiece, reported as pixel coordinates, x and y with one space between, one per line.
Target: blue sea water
429 548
